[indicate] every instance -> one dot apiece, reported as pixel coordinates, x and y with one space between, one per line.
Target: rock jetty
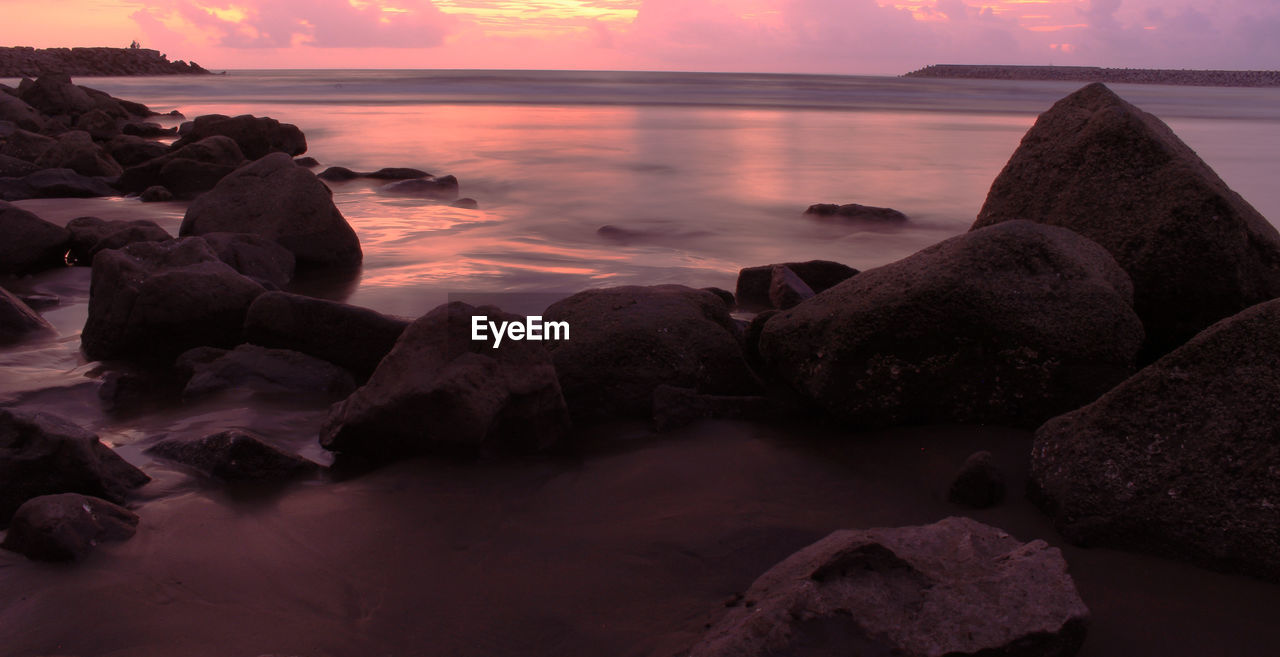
1187 77
24 61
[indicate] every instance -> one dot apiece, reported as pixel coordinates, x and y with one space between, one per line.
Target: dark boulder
130 151
256 136
158 299
466 204
1010 325
627 341
18 112
440 391
155 194
67 527
54 95
338 174
23 144
148 129
754 282
18 321
856 212
64 183
100 125
42 454
397 173
12 167
307 162
979 483
29 243
786 289
234 455
444 188
1182 459
1196 251
77 151
194 168
355 338
89 235
956 587
256 257
275 198
209 370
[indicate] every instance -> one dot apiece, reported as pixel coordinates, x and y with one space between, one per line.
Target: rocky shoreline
24 61
1188 77
1149 375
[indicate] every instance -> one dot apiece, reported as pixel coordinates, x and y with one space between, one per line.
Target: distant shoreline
27 62
1189 77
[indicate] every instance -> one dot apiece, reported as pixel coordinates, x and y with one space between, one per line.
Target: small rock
979 484
67 527
444 188
210 370
30 244
155 194
306 162
466 204
786 289
856 212
337 174
234 455
19 322
397 173
754 283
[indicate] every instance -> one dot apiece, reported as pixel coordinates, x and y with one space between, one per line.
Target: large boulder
67 527
1011 325
254 256
128 150
23 144
18 321
99 124
277 199
54 94
441 391
194 168
89 235
353 337
1195 250
248 366
77 151
755 283
30 243
42 454
55 183
234 455
956 587
256 136
158 299
1182 459
627 341
21 114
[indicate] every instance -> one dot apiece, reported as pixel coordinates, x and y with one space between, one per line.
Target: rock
1180 460
338 174
754 282
65 183
440 391
257 137
155 194
54 95
956 587
627 341
256 257
751 339
22 144
1010 325
158 299
30 243
107 104
397 173
786 289
148 129
89 235
353 337
67 527
187 171
42 454
725 295
18 321
466 204
444 188
856 212
209 370
306 162
979 484
100 125
277 199
130 151
12 167
76 150
21 114
234 456
1196 251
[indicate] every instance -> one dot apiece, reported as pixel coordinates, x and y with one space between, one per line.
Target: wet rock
466 204
440 391
256 136
65 183
98 124
1180 460
77 151
725 295
23 144
786 289
979 484
12 167
397 173
338 174
149 130
234 455
22 115
1010 325
187 171
29 243
355 338
67 527
256 257
158 299
209 370
754 282
306 162
129 151
155 194
42 454
18 321
627 341
277 199
1196 251
956 587
444 188
89 235
856 212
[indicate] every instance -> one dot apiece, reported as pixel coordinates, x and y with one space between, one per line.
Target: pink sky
815 36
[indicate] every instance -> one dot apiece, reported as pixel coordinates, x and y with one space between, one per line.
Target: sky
783 36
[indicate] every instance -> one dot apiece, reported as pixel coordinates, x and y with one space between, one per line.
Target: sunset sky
815 36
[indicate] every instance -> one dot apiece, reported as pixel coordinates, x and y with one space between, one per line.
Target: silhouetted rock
256 136
440 391
21 114
856 212
89 235
397 173
23 144
130 151
148 129
18 321
54 95
256 257
194 168
155 194
234 455
1195 250
1181 459
275 198
1009 325
67 527
77 151
42 454
158 299
979 484
209 370
466 204
627 341
25 61
444 188
754 282
29 243
338 174
63 183
12 167
786 290
956 587
99 124
355 338
307 162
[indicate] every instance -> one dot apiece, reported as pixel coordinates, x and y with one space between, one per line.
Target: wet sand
629 546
